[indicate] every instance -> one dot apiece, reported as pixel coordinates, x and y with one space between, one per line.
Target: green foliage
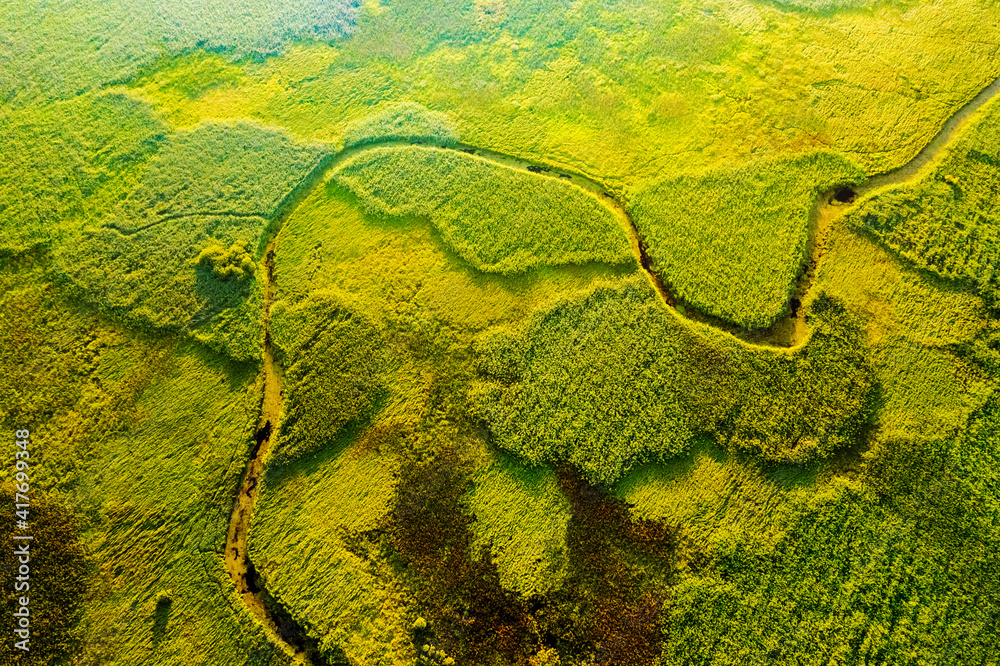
159 260
316 560
731 242
403 121
608 380
235 262
949 221
399 271
222 169
335 360
708 491
850 578
496 218
145 439
64 164
522 515
153 278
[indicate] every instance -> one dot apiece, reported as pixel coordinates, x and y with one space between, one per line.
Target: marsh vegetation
492 439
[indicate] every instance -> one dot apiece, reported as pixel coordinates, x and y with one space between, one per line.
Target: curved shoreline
787 333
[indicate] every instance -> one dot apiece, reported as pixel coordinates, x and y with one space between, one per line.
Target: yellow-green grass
499 219
403 121
65 164
399 270
611 379
731 242
522 515
707 494
948 222
91 45
915 324
154 259
628 92
60 575
225 169
146 440
334 363
153 279
308 542
902 575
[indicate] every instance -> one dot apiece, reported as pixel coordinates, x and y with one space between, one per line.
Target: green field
948 222
518 332
498 219
731 242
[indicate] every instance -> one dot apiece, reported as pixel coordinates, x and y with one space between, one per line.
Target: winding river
790 331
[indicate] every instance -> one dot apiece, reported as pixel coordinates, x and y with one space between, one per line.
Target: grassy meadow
498 219
948 222
498 445
731 243
141 441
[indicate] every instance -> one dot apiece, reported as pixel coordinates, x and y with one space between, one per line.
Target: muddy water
282 629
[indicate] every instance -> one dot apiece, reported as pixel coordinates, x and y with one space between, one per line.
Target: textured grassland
147 434
180 251
949 221
334 362
631 92
522 515
404 121
234 169
146 441
61 574
307 540
498 219
731 242
399 271
916 326
609 380
64 164
706 493
89 45
850 577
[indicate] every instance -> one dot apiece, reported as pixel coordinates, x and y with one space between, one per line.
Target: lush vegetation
226 169
63 165
849 577
949 221
180 251
89 45
609 380
112 415
731 242
521 516
627 92
405 121
398 271
317 561
496 218
467 347
61 574
334 360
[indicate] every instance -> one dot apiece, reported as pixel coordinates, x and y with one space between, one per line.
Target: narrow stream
788 332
